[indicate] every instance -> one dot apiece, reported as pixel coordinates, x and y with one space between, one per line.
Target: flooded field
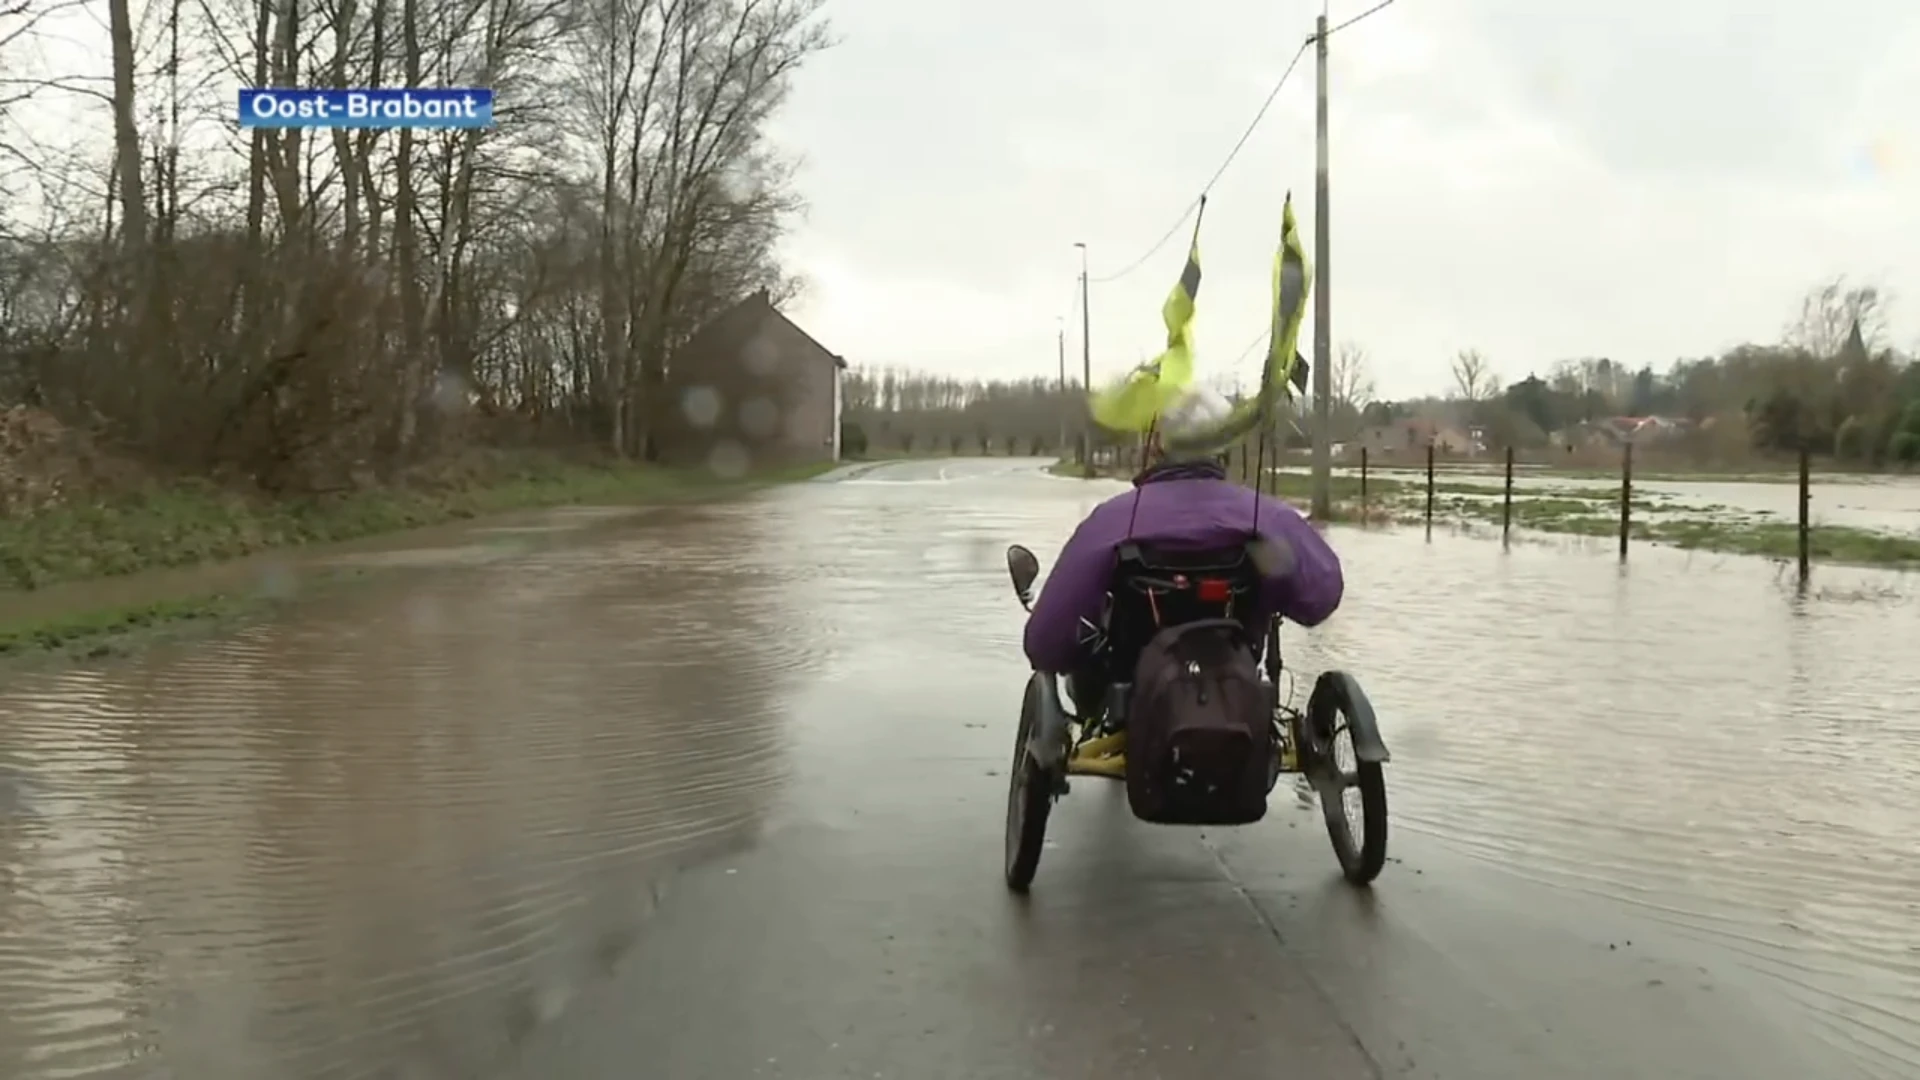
400 829
1880 504
1684 736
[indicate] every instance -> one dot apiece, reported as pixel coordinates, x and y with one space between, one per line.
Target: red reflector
1214 590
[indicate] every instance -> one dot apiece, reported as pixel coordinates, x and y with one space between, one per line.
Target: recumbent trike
1150 591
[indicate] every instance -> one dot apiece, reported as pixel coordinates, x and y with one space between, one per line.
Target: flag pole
1322 301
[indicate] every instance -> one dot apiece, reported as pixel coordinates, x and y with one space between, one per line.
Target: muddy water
399 828
1686 736
404 825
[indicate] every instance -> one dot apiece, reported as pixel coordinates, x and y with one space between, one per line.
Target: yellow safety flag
1134 403
1285 365
1285 368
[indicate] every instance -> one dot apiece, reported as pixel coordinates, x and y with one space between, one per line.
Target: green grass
1073 470
190 524
195 523
92 634
1827 543
1598 514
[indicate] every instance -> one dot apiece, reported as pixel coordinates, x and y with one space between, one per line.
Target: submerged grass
91 634
190 524
196 523
1590 511
1073 470
1652 521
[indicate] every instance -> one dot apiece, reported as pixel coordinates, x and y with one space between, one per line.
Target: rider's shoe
1103 755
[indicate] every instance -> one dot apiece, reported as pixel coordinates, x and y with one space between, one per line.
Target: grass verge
1072 470
191 524
94 634
195 523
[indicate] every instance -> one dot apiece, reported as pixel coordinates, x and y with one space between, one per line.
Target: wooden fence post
1364 515
1506 505
1806 500
1626 499
1429 489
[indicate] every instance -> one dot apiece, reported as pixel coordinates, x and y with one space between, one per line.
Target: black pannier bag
1200 741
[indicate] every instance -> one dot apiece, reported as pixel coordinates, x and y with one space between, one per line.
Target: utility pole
1086 363
1066 399
1321 283
1322 306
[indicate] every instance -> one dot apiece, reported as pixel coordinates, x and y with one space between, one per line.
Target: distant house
752 388
1412 435
1617 431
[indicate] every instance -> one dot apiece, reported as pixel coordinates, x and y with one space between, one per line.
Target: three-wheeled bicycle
1150 591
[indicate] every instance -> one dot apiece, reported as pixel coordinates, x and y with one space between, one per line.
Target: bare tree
341 295
1472 379
673 95
902 410
1351 378
1830 311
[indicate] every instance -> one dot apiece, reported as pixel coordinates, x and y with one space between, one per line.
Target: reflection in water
392 834
397 832
1687 737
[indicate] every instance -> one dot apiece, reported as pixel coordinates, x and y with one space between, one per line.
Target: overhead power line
1187 214
1370 12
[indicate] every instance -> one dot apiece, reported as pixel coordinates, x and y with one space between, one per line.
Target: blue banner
287 108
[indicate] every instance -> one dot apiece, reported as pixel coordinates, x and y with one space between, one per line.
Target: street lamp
1086 360
1060 447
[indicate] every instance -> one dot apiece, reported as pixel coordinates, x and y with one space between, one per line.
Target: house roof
759 306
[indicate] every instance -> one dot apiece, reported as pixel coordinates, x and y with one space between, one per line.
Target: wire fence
1366 497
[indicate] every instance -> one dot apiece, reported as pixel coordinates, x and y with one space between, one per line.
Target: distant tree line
897 411
1833 384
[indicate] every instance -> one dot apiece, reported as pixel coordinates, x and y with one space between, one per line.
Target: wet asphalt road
868 933
718 793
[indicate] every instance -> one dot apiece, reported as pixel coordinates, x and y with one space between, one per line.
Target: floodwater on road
720 790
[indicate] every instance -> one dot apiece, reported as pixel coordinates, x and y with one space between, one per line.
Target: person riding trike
1161 613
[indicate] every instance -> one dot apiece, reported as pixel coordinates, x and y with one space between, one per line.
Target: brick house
751 380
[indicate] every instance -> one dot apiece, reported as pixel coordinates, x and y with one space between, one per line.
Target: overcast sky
1638 179
1536 179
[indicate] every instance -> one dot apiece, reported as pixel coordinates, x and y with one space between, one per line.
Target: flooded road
717 792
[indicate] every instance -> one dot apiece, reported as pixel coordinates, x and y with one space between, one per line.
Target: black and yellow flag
1285 365
1134 403
1285 368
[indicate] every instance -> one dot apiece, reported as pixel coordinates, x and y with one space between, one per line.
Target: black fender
1047 746
1338 692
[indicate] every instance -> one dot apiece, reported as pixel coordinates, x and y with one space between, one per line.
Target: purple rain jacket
1190 506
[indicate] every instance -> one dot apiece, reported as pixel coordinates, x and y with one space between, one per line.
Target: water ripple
400 830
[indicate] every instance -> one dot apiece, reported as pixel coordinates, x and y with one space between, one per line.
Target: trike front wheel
1353 791
1029 802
